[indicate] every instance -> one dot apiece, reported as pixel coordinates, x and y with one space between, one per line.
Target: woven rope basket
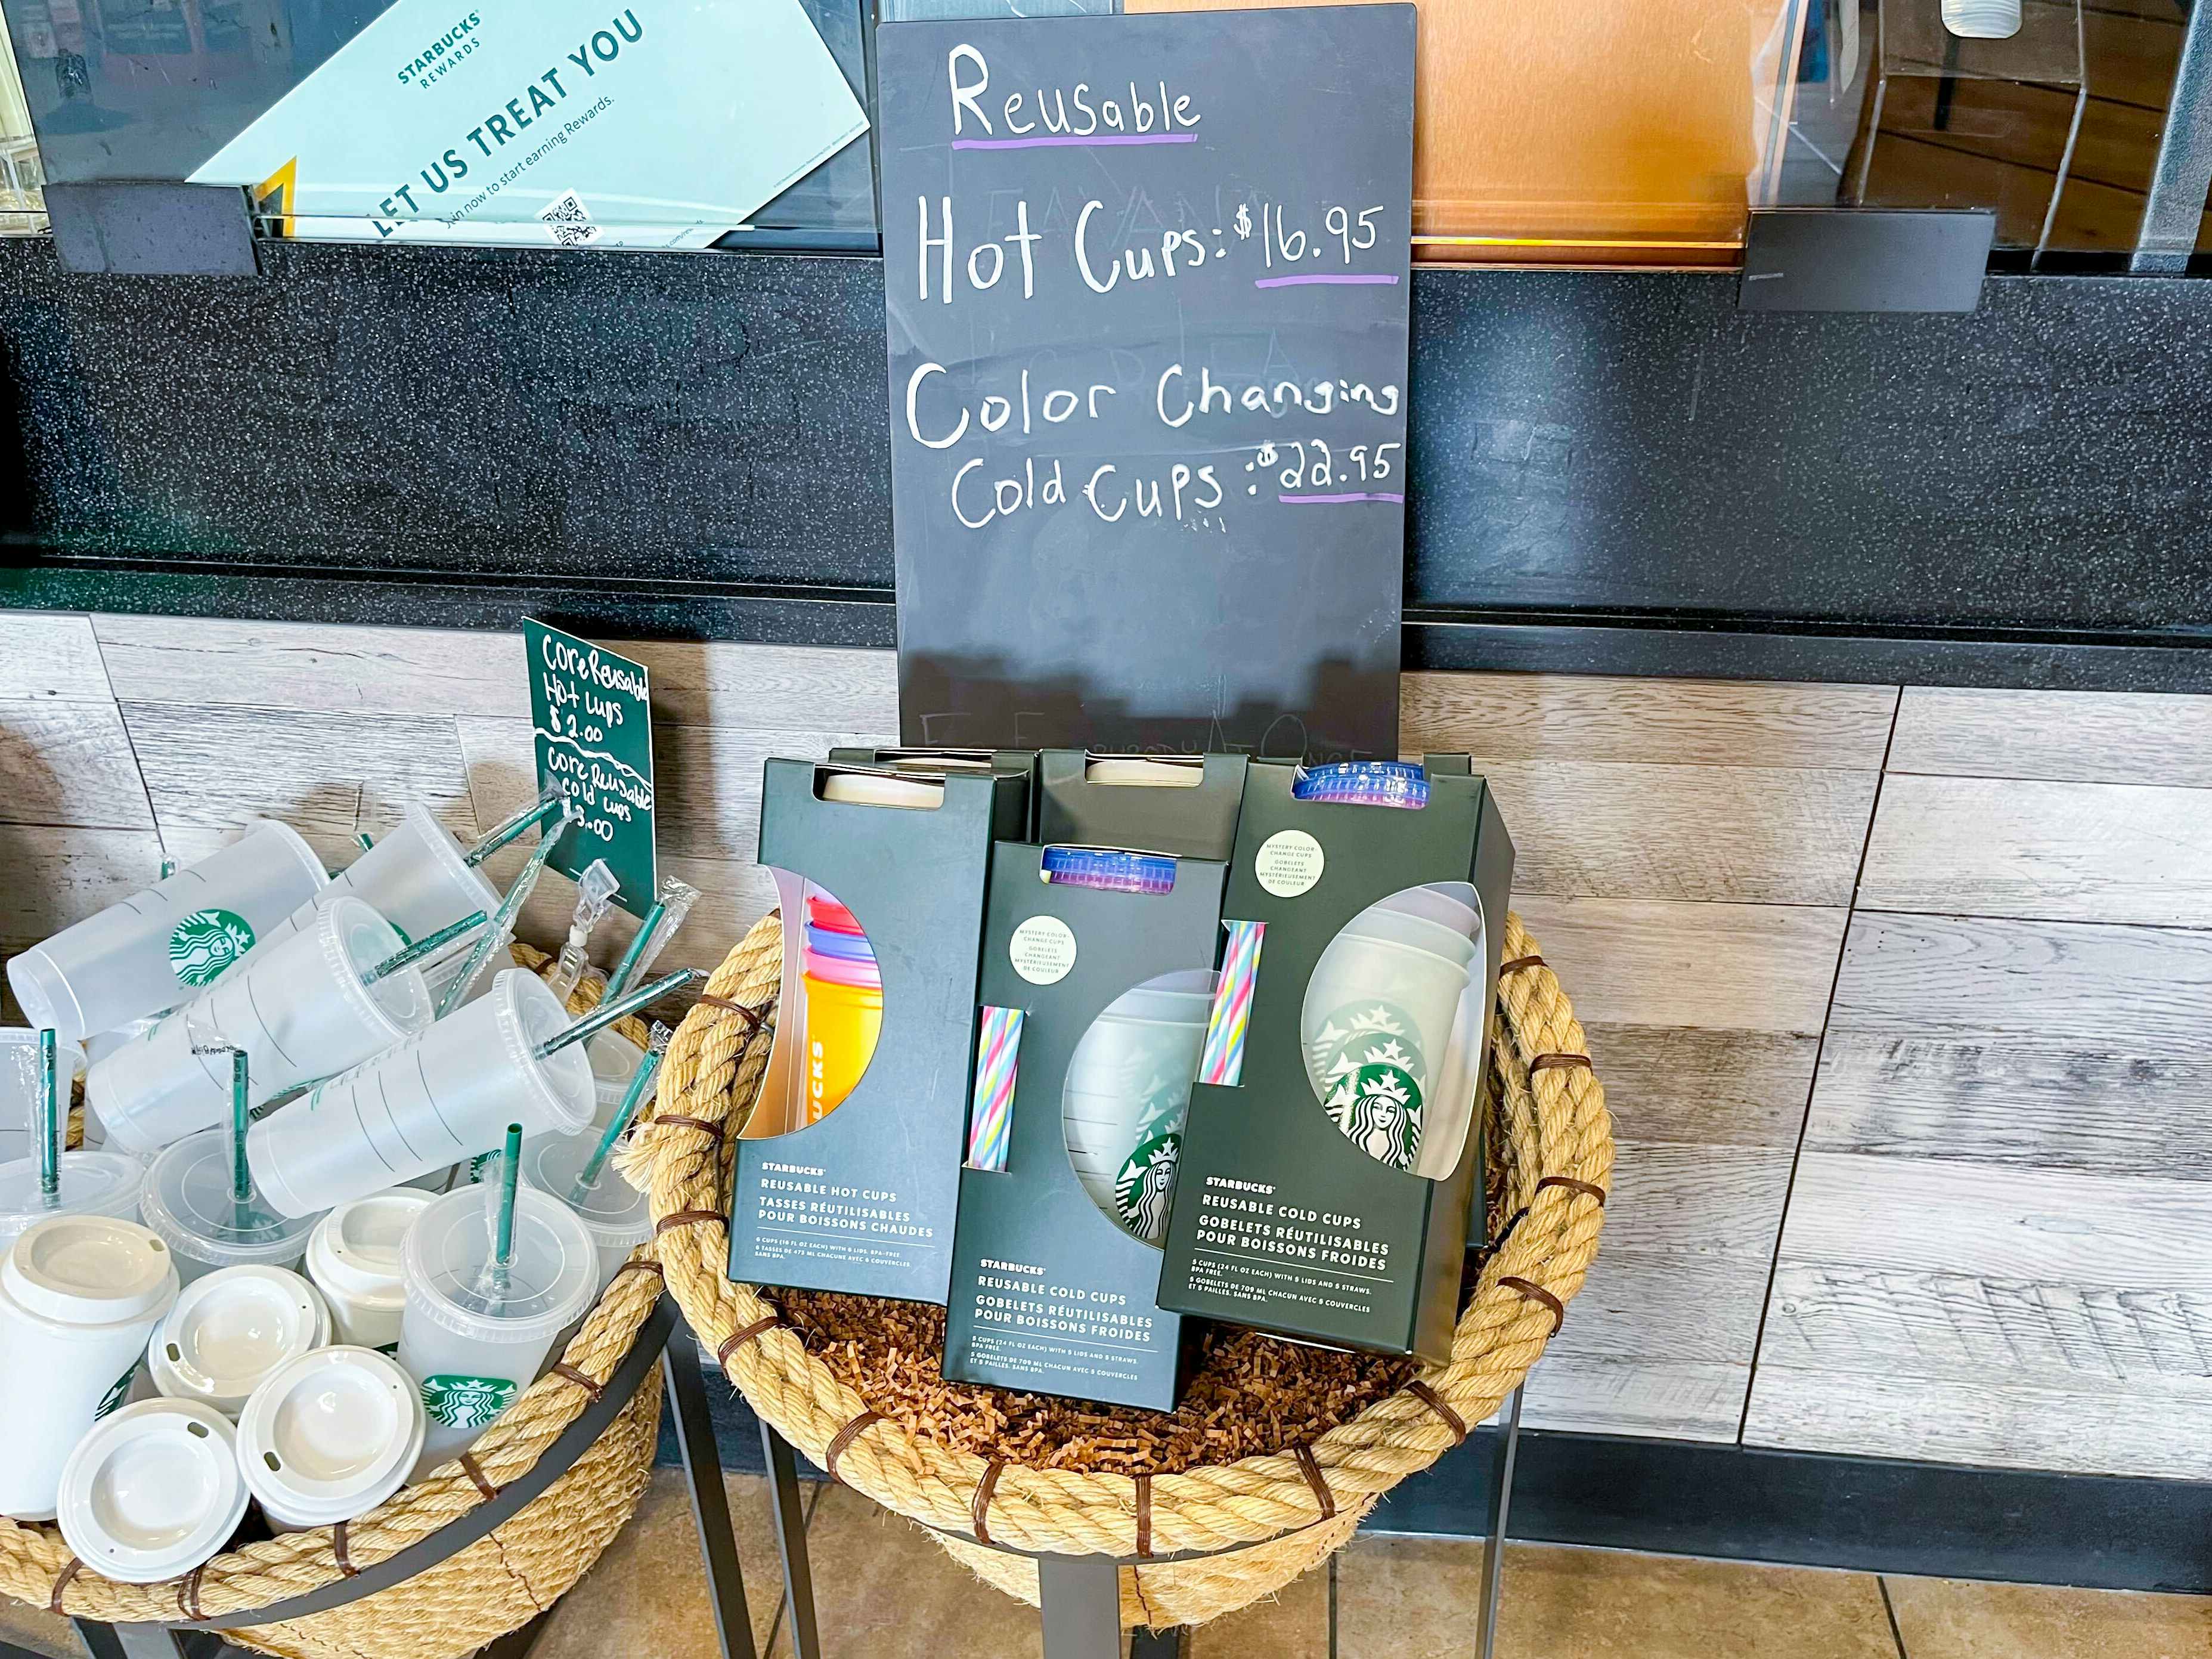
498 1584
1261 1521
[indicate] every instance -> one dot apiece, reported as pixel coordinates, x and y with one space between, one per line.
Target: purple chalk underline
1357 495
1078 143
1312 282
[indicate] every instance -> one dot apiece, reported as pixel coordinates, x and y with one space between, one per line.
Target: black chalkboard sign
1145 283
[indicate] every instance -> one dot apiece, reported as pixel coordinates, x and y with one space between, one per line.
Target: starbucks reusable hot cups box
1333 1149
848 1171
1096 985
1184 805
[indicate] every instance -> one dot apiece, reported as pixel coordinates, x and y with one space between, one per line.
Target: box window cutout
839 1006
1127 1094
1391 1020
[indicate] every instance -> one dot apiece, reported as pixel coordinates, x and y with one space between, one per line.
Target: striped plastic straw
998 1049
1223 1059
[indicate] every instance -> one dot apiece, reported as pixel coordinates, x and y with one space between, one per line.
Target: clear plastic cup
79 1296
329 1436
153 1492
230 1329
1376 923
1437 902
100 1044
163 946
22 1090
615 1060
1136 1058
188 1201
415 878
471 1360
437 1099
300 1009
93 1183
1373 1002
614 1212
353 1257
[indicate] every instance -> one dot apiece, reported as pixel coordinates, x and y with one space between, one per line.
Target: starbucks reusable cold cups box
1050 1294
1183 805
1325 1195
861 1199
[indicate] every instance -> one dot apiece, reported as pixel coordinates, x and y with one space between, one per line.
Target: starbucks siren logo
465 1402
205 943
1146 1182
1378 1108
115 1394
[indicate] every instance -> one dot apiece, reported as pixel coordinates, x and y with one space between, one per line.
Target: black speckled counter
1614 473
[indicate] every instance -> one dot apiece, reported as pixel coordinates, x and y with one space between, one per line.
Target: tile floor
885 1591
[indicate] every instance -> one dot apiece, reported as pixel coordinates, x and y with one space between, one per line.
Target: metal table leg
1156 1643
710 1498
789 1505
1080 1598
1501 1504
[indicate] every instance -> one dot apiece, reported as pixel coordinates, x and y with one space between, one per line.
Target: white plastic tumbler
329 1436
1435 938
79 1295
1437 902
471 1357
300 1009
437 1099
189 1202
92 1183
1387 999
353 1257
417 878
232 1329
153 1492
161 947
614 1212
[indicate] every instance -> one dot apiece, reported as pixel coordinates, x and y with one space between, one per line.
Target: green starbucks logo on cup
1378 1108
205 943
465 1402
1146 1182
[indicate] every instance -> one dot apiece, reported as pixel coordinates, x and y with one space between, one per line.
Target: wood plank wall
1904 1000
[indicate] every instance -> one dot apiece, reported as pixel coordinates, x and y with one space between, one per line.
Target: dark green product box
1050 1294
1196 818
937 762
1282 1219
862 1200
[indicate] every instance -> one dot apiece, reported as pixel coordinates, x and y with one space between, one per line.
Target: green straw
618 980
241 1119
608 1013
543 808
361 835
428 945
168 868
50 1118
502 1246
588 1176
503 918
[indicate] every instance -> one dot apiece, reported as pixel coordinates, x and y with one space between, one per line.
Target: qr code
570 221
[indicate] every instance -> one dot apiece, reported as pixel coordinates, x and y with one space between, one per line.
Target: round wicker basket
1252 1525
495 1585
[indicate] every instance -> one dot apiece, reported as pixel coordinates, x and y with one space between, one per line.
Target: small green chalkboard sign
594 739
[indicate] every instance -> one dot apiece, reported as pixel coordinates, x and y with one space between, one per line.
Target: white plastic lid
232 1328
93 1183
331 1435
90 1270
528 1014
873 789
295 843
152 1491
355 1249
615 1212
188 1202
353 939
556 1274
453 861
42 993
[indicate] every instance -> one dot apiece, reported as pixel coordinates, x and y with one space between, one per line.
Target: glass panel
1637 132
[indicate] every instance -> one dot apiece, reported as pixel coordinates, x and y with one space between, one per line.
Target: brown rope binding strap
1436 1403
738 1339
845 1437
984 1488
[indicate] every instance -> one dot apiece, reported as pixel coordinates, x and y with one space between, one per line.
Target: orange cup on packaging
844 1018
